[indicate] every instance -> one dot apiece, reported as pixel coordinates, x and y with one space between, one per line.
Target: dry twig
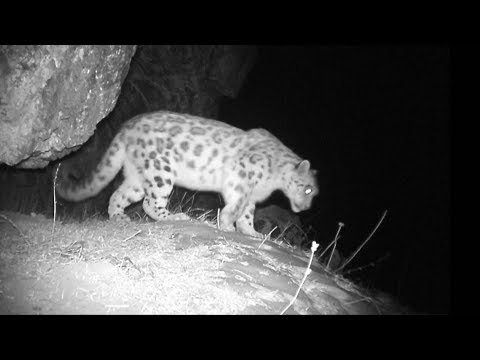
131 236
267 237
308 271
337 237
360 247
13 224
55 199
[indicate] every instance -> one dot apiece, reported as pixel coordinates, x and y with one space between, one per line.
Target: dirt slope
175 267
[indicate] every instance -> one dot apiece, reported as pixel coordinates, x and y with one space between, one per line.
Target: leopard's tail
74 188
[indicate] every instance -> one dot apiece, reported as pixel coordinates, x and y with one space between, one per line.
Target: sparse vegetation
172 267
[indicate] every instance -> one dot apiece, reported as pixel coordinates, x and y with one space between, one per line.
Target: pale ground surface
170 267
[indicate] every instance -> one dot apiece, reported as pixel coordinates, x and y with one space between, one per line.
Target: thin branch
308 271
141 94
371 264
331 255
337 237
131 236
55 200
267 237
360 247
13 224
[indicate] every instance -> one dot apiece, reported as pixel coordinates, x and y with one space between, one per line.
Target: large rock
279 222
52 97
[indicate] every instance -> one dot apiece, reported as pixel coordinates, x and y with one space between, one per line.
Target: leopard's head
301 186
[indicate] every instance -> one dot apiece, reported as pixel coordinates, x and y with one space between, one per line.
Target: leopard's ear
303 167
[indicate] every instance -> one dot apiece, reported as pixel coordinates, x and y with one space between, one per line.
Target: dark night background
375 122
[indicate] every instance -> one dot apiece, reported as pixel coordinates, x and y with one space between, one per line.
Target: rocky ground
170 267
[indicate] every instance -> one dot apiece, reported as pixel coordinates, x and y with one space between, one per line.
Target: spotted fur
162 149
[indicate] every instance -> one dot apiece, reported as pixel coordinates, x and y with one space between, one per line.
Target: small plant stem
340 225
371 264
267 237
55 200
13 224
131 236
331 255
307 271
360 247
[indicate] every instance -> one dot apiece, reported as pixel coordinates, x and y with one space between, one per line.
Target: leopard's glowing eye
308 191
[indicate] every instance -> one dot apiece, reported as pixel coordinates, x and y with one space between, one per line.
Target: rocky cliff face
52 97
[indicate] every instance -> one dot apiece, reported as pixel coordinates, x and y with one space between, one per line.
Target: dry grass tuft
99 267
267 237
